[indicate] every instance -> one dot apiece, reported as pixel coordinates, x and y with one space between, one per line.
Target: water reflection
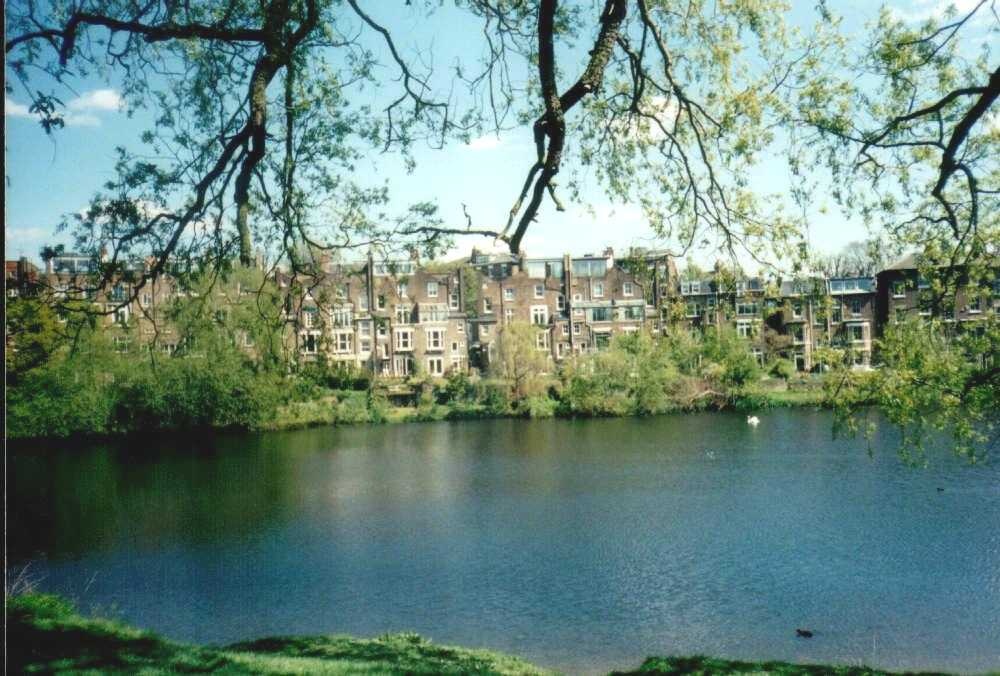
583 545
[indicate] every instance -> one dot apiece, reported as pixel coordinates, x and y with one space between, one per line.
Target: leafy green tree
948 385
727 359
518 360
636 375
908 132
32 333
668 109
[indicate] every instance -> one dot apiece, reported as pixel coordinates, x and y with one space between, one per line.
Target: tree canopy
258 127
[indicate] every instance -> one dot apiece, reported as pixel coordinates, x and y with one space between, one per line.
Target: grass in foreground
710 665
45 635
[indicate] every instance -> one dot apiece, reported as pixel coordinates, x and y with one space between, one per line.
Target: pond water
578 545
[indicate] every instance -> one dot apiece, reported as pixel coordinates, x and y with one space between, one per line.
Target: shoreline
47 633
757 400
328 412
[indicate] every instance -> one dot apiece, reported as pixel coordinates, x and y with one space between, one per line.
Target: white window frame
401 365
404 340
539 291
343 342
540 312
435 339
435 366
627 290
508 293
432 289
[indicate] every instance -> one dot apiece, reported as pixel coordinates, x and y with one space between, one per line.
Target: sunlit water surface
579 545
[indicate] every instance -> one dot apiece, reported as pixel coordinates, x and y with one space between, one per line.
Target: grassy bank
45 634
711 665
346 408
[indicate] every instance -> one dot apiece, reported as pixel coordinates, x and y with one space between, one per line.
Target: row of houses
398 318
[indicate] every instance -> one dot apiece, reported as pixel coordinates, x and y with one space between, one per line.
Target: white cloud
21 111
86 120
487 142
921 10
15 109
26 241
79 111
97 99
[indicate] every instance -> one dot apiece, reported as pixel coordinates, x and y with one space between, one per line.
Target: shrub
494 396
537 406
782 368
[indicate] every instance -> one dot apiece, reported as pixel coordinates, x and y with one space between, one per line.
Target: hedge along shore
99 393
346 408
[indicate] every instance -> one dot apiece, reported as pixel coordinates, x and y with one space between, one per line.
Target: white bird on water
753 420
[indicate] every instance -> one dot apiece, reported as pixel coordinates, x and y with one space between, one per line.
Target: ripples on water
578 545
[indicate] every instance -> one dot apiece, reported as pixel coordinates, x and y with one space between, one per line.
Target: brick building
400 318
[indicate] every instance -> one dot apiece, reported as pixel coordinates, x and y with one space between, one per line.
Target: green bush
782 368
94 392
634 376
494 396
352 407
537 406
458 388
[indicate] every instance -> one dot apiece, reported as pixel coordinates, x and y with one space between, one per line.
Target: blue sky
49 177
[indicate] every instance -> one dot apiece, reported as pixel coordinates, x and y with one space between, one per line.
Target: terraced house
395 318
577 304
903 293
399 318
791 319
134 316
